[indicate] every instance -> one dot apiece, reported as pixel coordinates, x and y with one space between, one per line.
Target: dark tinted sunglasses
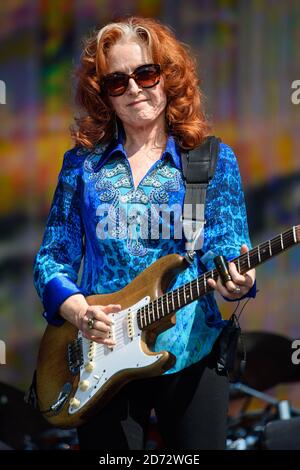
146 76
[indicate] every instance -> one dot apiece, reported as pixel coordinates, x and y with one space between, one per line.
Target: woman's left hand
240 284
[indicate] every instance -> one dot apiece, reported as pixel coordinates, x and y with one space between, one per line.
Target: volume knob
74 402
89 366
84 385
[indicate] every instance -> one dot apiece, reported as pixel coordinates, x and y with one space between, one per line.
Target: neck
145 137
171 301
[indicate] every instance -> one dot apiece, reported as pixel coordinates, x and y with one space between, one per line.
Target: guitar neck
169 302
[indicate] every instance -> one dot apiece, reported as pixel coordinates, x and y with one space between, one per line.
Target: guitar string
274 244
242 258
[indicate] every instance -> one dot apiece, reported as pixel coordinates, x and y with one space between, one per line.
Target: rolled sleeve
55 293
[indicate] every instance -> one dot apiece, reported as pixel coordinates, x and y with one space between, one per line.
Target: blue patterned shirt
86 223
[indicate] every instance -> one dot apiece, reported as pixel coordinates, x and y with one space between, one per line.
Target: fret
255 257
145 317
155 305
294 234
277 245
151 312
197 284
159 308
173 305
148 314
168 300
205 285
142 313
270 248
148 317
167 304
187 293
156 314
264 253
184 296
191 292
178 298
281 242
248 259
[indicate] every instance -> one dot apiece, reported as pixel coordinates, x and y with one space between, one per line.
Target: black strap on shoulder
198 166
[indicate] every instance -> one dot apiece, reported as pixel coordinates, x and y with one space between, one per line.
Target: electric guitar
76 376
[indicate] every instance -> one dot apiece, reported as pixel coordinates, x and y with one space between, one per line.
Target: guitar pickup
111 335
91 351
130 325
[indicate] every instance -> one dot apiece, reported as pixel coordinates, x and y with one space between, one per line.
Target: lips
136 102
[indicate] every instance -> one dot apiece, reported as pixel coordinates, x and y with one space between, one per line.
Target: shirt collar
172 149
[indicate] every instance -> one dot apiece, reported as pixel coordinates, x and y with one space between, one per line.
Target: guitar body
72 369
76 376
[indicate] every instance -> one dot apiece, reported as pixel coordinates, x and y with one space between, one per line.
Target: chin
141 121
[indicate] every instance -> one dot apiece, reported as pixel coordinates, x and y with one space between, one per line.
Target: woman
139 92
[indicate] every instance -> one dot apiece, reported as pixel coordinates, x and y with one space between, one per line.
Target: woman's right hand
77 311
101 323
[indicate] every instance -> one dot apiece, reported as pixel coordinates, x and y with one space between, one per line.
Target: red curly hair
184 112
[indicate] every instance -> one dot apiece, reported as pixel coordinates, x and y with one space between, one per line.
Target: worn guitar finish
76 377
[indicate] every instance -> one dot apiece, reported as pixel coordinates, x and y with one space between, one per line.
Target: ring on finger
90 323
237 289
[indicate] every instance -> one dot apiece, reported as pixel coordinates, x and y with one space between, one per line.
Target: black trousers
190 405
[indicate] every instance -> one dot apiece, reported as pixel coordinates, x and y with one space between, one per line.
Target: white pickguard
106 362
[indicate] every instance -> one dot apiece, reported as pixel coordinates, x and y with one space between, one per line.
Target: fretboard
171 301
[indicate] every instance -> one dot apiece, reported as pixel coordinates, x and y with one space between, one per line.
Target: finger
231 287
237 278
218 286
111 308
105 341
101 326
244 248
99 334
211 283
103 318
228 291
246 280
100 314
250 278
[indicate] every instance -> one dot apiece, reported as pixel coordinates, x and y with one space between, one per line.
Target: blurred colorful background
248 56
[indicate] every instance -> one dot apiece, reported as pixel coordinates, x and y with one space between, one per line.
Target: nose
133 87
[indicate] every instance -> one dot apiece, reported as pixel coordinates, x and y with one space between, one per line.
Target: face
137 107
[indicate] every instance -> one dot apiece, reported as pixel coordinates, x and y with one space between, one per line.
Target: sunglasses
146 76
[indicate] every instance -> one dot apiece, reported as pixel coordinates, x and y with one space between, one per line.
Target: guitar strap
198 166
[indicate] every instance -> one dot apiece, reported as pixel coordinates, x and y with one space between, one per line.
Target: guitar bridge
75 356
